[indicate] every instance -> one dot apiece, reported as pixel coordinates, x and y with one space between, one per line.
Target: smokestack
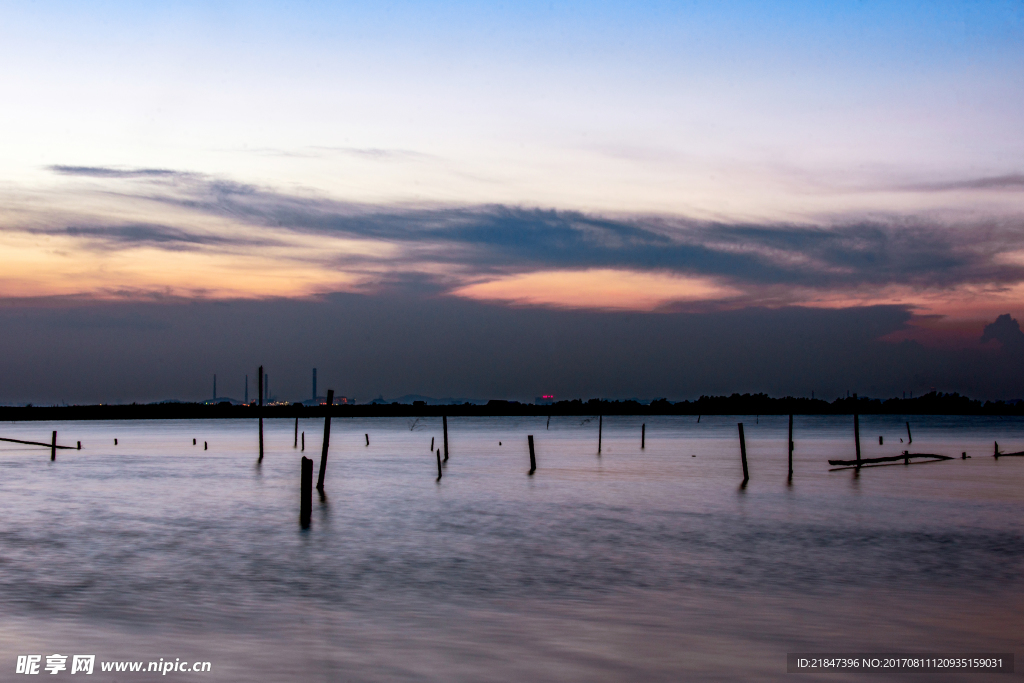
259 378
215 386
314 384
247 390
266 388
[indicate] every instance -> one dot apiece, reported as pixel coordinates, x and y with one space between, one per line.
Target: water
645 564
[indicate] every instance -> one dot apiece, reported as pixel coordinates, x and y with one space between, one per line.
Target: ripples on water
636 565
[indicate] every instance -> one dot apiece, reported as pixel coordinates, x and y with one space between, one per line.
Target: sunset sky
599 162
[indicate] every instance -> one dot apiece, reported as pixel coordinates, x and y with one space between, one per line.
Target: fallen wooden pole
306 492
743 452
444 425
35 443
891 458
533 457
327 442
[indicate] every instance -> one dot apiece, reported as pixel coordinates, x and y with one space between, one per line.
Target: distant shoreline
746 404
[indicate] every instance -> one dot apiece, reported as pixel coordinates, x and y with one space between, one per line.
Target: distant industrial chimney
247 390
215 386
266 388
314 384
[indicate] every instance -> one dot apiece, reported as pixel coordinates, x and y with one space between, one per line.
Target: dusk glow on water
639 564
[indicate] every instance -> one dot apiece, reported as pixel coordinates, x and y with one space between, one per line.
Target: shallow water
636 564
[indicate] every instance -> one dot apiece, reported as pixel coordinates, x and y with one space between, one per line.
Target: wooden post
303 441
910 439
444 424
367 439
306 492
790 446
261 414
600 428
880 441
431 444
79 445
533 457
743 452
995 447
193 442
204 445
327 441
643 435
856 435
296 433
439 464
53 446
115 442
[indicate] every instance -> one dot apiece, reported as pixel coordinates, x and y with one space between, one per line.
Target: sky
847 176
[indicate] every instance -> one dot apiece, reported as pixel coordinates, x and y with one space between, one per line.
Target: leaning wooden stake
439 464
790 446
533 457
306 492
444 424
367 439
327 441
910 439
743 452
53 446
431 444
856 434
643 435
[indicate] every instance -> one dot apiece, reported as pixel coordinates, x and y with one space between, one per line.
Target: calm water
636 565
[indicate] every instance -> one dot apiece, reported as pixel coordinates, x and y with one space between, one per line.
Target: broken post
306 492
439 464
53 446
643 435
790 441
296 445
880 442
995 448
910 439
327 441
533 457
600 428
79 445
743 452
367 439
444 424
856 434
303 441
431 444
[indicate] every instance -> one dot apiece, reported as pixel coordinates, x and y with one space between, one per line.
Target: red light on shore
548 396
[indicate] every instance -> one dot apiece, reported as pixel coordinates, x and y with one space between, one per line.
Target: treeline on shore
934 403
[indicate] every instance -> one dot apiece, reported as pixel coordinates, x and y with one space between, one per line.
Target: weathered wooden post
79 445
533 457
53 446
431 444
643 435
367 439
327 441
880 441
193 442
439 464
306 492
296 445
856 435
261 414
995 448
204 445
790 446
743 452
600 428
910 439
444 424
